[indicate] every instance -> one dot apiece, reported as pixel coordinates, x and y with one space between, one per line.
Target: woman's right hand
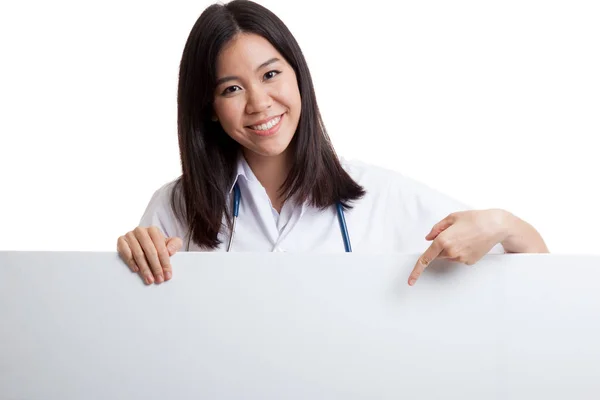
147 251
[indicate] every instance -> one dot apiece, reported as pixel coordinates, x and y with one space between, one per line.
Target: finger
139 257
150 251
423 262
126 255
162 253
174 244
440 227
444 254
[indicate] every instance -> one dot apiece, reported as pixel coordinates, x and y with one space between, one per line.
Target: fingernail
168 275
411 282
159 279
149 279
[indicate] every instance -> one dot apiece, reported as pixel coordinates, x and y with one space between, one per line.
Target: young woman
253 144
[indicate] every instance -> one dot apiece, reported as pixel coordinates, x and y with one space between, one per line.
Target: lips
263 122
269 128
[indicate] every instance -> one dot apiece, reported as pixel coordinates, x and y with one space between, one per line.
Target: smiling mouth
266 126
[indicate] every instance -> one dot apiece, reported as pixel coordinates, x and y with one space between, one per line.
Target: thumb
438 228
174 244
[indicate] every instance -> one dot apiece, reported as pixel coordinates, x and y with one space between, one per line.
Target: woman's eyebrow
233 78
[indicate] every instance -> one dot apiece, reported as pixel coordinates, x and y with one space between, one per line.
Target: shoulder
380 178
159 211
163 192
161 198
412 198
368 175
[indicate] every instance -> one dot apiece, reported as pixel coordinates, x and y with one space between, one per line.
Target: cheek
295 99
290 97
229 113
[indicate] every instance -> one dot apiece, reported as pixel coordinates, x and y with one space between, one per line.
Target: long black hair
209 156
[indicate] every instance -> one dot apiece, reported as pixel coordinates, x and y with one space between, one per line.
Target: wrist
505 225
521 237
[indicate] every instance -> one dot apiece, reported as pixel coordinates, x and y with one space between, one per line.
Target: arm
521 237
468 235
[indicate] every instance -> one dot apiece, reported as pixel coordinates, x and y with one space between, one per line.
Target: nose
258 99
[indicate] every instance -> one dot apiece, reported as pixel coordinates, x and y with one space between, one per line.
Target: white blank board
302 326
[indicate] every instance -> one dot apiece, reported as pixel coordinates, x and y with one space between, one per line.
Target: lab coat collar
243 170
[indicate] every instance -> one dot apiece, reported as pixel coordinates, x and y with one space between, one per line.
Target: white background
494 103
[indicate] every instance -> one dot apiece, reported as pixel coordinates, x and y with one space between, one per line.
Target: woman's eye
272 74
231 89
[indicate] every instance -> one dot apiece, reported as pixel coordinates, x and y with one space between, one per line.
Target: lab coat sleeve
422 207
160 214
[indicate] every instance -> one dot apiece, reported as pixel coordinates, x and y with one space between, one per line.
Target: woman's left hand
464 237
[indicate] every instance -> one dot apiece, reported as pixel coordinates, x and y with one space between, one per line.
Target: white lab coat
394 216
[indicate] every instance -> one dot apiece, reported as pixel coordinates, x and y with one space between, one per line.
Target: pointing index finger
423 262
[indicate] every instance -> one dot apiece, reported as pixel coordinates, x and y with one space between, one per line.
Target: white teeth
266 126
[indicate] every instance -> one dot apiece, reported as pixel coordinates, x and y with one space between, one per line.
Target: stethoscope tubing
237 197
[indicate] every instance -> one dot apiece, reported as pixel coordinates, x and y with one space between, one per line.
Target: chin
271 151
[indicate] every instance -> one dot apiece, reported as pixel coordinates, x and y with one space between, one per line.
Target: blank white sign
302 326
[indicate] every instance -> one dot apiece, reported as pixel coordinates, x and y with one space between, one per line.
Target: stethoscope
237 197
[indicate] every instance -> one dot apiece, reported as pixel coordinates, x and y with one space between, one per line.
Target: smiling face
256 99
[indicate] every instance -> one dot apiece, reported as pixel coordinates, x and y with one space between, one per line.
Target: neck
271 172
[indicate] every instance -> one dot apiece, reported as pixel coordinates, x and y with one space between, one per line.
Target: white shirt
395 215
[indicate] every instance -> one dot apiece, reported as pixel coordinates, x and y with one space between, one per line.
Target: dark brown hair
209 155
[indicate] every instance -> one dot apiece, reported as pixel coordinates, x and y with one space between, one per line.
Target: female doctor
260 173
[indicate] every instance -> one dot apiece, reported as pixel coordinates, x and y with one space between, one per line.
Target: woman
249 124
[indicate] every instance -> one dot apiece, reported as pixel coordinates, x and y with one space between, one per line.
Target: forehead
245 52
